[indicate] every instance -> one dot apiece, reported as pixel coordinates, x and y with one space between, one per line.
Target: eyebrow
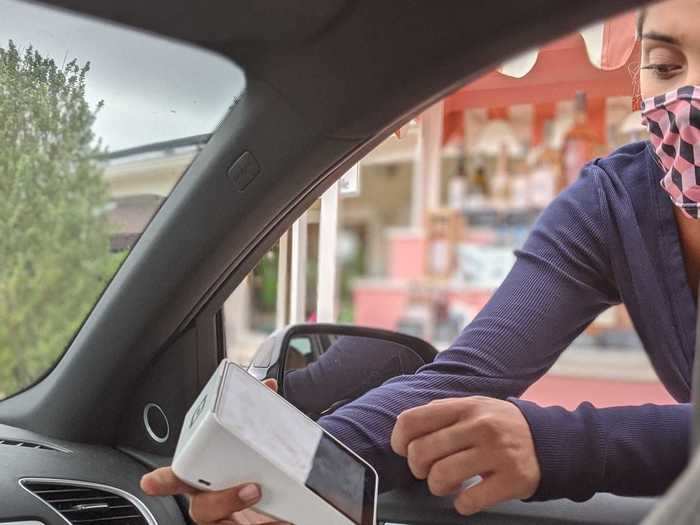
660 37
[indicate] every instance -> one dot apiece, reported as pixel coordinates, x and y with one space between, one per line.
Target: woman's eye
663 71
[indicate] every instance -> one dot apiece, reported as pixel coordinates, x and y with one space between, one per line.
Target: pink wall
379 306
406 256
381 303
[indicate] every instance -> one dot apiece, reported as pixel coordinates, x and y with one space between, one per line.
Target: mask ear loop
635 71
634 68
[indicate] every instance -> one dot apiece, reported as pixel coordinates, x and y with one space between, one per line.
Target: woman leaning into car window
627 231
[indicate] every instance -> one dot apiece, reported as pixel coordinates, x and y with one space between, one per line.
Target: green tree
54 238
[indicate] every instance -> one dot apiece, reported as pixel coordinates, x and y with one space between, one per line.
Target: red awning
561 70
600 60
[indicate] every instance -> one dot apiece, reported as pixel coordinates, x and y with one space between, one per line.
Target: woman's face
670 47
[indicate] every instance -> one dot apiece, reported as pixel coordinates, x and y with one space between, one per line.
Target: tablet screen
343 481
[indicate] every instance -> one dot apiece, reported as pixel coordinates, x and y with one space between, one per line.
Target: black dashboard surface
70 461
114 468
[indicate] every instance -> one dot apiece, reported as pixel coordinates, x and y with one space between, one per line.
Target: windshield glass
98 124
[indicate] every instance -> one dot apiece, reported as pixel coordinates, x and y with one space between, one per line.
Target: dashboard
45 481
39 474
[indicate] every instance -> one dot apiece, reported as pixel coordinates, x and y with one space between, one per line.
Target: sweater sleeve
559 283
629 451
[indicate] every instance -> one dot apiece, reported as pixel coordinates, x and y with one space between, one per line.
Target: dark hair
641 16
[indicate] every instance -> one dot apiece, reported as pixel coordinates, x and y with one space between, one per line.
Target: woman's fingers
206 508
213 507
419 421
448 474
483 495
430 448
251 517
216 507
163 482
270 383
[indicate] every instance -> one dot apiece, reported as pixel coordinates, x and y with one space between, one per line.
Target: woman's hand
209 508
224 507
450 441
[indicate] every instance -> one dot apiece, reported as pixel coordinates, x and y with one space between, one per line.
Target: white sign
484 266
350 182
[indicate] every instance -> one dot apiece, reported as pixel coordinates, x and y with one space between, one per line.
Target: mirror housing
319 367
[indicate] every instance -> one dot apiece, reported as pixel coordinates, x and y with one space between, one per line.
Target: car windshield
98 124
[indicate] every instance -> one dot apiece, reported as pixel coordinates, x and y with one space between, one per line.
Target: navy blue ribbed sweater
611 237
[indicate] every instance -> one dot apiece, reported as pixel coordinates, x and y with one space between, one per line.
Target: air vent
87 503
28 444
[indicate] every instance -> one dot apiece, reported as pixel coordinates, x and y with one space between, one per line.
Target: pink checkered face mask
673 121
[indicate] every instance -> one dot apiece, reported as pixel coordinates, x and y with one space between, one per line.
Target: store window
427 223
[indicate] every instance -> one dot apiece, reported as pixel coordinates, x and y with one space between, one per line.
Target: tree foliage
54 238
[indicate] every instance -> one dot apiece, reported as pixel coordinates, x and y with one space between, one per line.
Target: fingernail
144 483
249 493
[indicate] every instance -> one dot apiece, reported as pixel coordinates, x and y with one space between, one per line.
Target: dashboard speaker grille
86 504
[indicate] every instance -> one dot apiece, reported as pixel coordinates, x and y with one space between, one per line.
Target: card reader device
239 431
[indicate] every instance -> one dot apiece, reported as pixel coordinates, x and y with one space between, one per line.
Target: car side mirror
320 367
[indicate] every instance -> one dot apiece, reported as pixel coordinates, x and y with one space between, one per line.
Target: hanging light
496 135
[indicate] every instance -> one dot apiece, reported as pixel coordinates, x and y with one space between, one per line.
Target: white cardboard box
238 431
